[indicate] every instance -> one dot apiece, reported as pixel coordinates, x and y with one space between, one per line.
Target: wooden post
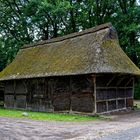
133 90
51 88
14 93
94 94
107 106
70 86
25 85
109 82
116 103
125 102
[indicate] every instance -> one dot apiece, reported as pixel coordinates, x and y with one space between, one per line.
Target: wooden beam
14 93
107 105
125 102
50 88
109 82
70 86
129 81
120 81
94 93
116 103
111 87
25 85
133 88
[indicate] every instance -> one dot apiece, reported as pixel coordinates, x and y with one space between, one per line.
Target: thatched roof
95 50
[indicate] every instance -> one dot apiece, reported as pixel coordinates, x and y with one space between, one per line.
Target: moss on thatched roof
95 50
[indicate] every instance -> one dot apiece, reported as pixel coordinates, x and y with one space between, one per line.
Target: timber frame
114 96
91 94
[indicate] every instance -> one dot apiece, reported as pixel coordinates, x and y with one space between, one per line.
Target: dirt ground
125 126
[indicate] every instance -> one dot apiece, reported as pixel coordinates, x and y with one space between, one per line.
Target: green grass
45 116
137 103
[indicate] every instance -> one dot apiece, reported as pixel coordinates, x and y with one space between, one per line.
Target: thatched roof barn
82 72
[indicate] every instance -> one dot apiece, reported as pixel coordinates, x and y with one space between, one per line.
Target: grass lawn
45 116
137 103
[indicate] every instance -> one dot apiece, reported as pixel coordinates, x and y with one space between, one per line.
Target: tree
26 21
127 21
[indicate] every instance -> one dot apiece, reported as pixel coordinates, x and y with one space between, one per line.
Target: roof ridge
72 35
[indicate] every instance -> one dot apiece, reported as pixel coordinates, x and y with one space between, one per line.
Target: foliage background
26 21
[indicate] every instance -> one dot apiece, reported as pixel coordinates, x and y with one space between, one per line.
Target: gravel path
130 134
121 127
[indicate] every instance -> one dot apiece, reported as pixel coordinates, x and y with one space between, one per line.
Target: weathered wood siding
67 93
9 94
61 93
114 92
20 94
71 93
82 98
38 96
15 94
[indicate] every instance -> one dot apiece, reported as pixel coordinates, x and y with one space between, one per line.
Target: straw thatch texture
95 50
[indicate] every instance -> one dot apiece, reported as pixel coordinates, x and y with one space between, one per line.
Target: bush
137 90
1 103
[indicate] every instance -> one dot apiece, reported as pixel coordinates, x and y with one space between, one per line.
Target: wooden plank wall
114 92
82 98
71 93
15 94
67 93
38 97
